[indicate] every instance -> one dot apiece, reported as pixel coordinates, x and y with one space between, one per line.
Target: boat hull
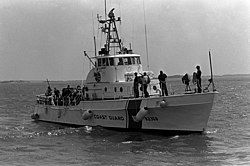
189 112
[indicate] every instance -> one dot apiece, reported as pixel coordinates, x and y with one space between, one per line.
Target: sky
45 39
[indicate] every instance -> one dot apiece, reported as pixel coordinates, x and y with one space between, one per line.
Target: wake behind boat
109 99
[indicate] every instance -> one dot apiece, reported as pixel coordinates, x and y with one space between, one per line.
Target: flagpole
211 69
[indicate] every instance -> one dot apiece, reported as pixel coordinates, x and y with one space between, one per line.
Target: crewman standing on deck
145 82
162 78
48 91
198 78
136 84
56 93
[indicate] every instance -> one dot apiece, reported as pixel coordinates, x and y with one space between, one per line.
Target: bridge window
137 59
120 62
105 62
99 62
127 61
111 61
133 60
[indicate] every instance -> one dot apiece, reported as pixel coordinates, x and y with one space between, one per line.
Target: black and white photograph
125 82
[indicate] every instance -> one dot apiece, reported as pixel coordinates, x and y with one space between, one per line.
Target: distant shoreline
172 76
15 81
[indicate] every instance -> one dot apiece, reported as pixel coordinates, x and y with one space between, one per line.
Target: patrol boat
107 97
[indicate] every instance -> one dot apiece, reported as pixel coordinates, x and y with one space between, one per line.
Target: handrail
61 101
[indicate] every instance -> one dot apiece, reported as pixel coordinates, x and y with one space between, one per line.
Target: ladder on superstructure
112 37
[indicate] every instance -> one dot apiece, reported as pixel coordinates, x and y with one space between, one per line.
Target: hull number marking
151 118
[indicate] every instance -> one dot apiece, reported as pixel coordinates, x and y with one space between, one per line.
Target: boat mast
110 29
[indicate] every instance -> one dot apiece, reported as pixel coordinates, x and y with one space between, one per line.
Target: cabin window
121 89
137 59
99 62
125 61
115 89
133 60
129 61
105 62
105 89
111 61
120 62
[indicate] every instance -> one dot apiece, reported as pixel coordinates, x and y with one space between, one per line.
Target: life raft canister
87 115
141 114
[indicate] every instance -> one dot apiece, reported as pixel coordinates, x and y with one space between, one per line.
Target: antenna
146 39
120 12
105 9
94 32
211 69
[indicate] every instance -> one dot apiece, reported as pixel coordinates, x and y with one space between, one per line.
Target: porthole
154 87
121 89
105 89
115 89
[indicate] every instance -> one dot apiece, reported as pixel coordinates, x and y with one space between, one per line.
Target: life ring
158 91
97 76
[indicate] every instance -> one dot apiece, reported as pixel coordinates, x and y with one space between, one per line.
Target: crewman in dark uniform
56 93
162 78
136 84
48 91
198 78
185 80
145 81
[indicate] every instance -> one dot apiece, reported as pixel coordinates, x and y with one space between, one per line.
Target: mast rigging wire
146 39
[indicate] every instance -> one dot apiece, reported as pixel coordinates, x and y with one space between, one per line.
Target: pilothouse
114 64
